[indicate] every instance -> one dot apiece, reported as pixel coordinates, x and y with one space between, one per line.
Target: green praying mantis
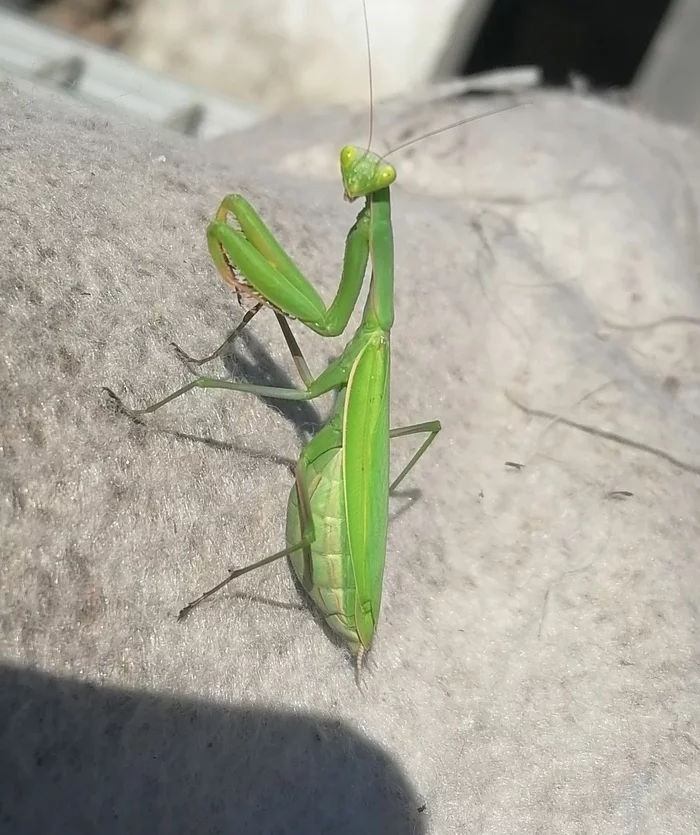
337 512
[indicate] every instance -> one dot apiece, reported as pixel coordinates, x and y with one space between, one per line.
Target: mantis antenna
457 124
370 76
443 129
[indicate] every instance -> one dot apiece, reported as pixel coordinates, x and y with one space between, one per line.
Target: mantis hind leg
308 536
431 427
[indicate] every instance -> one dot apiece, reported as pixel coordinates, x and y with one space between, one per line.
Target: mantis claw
182 355
186 359
116 404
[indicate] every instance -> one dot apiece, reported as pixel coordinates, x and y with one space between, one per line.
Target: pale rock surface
536 665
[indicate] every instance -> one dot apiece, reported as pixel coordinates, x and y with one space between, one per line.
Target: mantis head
364 172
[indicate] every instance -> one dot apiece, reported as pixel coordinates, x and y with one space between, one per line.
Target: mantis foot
186 359
115 403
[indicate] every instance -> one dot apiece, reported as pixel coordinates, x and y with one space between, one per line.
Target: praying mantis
337 512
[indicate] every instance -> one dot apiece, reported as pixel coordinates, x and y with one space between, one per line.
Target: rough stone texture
536 667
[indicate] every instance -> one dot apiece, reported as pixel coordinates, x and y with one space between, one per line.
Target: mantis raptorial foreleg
251 260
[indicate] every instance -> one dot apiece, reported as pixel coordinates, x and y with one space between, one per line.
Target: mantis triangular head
364 172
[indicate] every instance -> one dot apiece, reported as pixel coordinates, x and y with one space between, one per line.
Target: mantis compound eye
348 154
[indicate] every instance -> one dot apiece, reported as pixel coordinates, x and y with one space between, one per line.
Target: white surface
286 52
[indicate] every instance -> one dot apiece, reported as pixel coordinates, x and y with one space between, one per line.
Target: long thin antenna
454 125
370 76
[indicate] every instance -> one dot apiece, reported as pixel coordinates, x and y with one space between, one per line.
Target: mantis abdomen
325 568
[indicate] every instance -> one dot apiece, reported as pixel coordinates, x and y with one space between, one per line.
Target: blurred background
211 66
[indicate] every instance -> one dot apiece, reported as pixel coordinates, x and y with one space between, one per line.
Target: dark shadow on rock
115 403
261 369
79 758
231 446
411 494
